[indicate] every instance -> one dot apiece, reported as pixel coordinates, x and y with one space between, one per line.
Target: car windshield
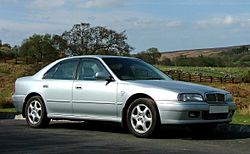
134 69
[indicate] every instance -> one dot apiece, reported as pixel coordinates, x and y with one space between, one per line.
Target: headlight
190 97
228 98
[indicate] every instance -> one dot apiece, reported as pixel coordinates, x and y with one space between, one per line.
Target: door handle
78 87
45 86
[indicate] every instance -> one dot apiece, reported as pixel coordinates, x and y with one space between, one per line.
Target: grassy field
241 119
8 74
241 92
7 110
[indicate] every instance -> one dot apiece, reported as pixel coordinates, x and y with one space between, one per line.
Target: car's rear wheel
35 113
142 117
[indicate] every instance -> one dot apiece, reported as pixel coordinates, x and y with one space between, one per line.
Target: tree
166 61
5 50
151 55
6 45
85 40
154 54
40 47
60 44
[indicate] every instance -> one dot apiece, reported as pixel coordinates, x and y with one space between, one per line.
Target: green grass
8 110
239 72
241 119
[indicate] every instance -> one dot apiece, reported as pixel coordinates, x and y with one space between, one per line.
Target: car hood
177 86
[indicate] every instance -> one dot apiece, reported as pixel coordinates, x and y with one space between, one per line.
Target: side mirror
102 76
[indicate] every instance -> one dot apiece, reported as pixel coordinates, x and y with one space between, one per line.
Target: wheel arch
26 101
130 100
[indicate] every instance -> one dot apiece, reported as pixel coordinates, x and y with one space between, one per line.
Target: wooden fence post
221 79
200 77
211 79
189 77
179 76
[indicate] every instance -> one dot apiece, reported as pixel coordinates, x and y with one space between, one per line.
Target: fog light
194 114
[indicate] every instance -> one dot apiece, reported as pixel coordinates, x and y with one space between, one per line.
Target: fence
21 60
202 78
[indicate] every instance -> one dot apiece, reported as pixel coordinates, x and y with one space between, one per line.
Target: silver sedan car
118 89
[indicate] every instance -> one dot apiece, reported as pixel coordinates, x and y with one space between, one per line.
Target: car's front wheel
35 113
142 117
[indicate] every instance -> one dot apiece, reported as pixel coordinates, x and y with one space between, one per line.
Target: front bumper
172 112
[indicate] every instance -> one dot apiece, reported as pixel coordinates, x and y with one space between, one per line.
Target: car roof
97 56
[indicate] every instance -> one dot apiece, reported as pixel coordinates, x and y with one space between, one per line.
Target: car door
93 98
57 87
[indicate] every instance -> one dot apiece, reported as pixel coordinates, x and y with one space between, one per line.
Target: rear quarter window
63 71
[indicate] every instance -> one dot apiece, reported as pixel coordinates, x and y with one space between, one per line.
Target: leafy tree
5 50
151 55
154 55
166 61
85 40
40 47
60 44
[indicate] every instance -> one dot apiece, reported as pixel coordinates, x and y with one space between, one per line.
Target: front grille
216 98
214 116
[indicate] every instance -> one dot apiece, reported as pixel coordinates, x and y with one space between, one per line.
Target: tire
35 113
142 118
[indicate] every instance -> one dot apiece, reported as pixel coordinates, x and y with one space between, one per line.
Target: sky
165 24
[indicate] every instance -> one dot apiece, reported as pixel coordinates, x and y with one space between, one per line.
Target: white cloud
46 4
154 23
101 3
229 20
219 21
242 21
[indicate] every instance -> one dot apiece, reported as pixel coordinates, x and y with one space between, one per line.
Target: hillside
9 72
197 52
233 56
